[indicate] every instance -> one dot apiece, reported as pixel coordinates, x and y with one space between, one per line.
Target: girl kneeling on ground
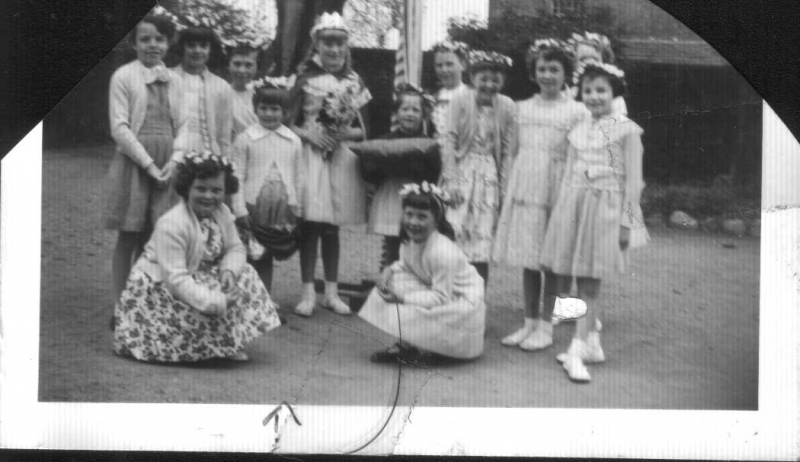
191 296
432 299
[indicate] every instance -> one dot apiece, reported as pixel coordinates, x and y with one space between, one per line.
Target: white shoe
591 352
519 335
240 356
308 302
576 370
335 304
540 339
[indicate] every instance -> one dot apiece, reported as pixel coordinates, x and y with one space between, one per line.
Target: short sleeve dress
535 178
600 193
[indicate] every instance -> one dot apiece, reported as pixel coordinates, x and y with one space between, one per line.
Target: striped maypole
408 59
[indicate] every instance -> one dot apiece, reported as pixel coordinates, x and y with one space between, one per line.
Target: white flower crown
410 87
425 188
254 43
590 37
479 56
607 68
452 46
330 21
159 10
281 83
197 158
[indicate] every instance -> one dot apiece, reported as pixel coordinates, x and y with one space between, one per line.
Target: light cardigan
462 128
176 248
254 152
127 106
219 114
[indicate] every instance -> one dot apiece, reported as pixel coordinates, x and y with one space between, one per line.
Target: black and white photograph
348 217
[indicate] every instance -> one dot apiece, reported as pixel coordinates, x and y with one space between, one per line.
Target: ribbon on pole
408 59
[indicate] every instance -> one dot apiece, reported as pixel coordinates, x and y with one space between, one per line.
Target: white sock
331 289
308 291
545 326
530 323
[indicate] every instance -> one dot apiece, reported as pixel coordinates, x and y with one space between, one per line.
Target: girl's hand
388 295
168 170
383 282
321 141
624 237
228 280
156 174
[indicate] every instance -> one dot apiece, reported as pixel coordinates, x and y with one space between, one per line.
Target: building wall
640 18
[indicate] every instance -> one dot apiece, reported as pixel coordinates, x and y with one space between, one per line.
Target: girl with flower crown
597 216
478 143
268 156
412 109
326 101
242 68
450 60
191 296
144 110
431 299
544 122
596 48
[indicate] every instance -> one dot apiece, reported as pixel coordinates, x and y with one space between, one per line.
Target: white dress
443 309
535 178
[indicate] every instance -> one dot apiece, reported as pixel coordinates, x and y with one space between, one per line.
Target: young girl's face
150 45
243 69
488 84
448 68
196 54
587 53
206 195
269 115
409 114
597 95
549 76
332 48
418 223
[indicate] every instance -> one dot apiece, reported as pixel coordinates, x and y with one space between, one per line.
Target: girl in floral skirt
478 143
191 296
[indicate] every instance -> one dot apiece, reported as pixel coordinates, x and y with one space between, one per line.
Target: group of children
550 184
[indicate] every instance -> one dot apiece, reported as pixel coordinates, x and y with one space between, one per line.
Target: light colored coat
462 128
127 106
219 113
254 153
176 249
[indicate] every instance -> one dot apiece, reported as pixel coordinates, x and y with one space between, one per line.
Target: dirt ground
680 331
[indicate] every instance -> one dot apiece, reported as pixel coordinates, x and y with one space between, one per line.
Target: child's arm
300 177
225 120
235 253
509 145
172 250
444 266
239 158
449 142
633 152
119 107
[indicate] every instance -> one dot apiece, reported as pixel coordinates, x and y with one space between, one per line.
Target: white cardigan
127 105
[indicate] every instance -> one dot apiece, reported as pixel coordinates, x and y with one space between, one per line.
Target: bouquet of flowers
340 108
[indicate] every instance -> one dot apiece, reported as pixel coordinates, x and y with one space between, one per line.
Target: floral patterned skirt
475 218
151 325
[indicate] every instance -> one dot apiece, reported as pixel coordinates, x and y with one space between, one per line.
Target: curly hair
163 25
426 201
618 85
188 172
564 57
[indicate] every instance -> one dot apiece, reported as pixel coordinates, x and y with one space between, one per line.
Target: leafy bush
701 201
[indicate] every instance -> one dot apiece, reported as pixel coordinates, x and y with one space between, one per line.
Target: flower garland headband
459 48
481 56
544 44
195 158
407 87
330 21
426 188
159 10
608 69
279 83
590 38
